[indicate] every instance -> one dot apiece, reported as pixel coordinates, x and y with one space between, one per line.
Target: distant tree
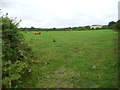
105 27
87 27
111 24
98 28
54 28
80 28
32 27
74 28
25 28
92 28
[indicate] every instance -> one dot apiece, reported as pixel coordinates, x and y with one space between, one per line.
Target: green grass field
73 59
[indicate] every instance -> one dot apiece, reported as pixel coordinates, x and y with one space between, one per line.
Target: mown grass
66 59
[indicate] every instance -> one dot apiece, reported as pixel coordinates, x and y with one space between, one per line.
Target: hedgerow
15 53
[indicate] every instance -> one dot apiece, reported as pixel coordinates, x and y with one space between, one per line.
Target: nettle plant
15 53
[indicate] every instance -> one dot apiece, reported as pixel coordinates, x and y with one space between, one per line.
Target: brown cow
37 33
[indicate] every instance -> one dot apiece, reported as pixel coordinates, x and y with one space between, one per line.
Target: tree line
63 29
111 25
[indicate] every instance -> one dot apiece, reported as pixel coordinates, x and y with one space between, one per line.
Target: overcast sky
61 13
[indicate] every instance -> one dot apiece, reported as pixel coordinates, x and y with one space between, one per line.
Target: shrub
117 25
15 58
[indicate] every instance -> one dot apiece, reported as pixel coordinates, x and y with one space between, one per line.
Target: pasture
73 59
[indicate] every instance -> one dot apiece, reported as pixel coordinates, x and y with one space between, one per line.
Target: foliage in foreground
117 25
117 28
15 53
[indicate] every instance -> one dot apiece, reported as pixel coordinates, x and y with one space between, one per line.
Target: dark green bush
15 58
117 25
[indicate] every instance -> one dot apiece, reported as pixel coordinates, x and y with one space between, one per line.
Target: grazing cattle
37 33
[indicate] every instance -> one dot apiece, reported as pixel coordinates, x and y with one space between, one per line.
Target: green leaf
15 76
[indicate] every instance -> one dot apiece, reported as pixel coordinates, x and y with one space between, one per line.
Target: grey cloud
32 15
4 3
